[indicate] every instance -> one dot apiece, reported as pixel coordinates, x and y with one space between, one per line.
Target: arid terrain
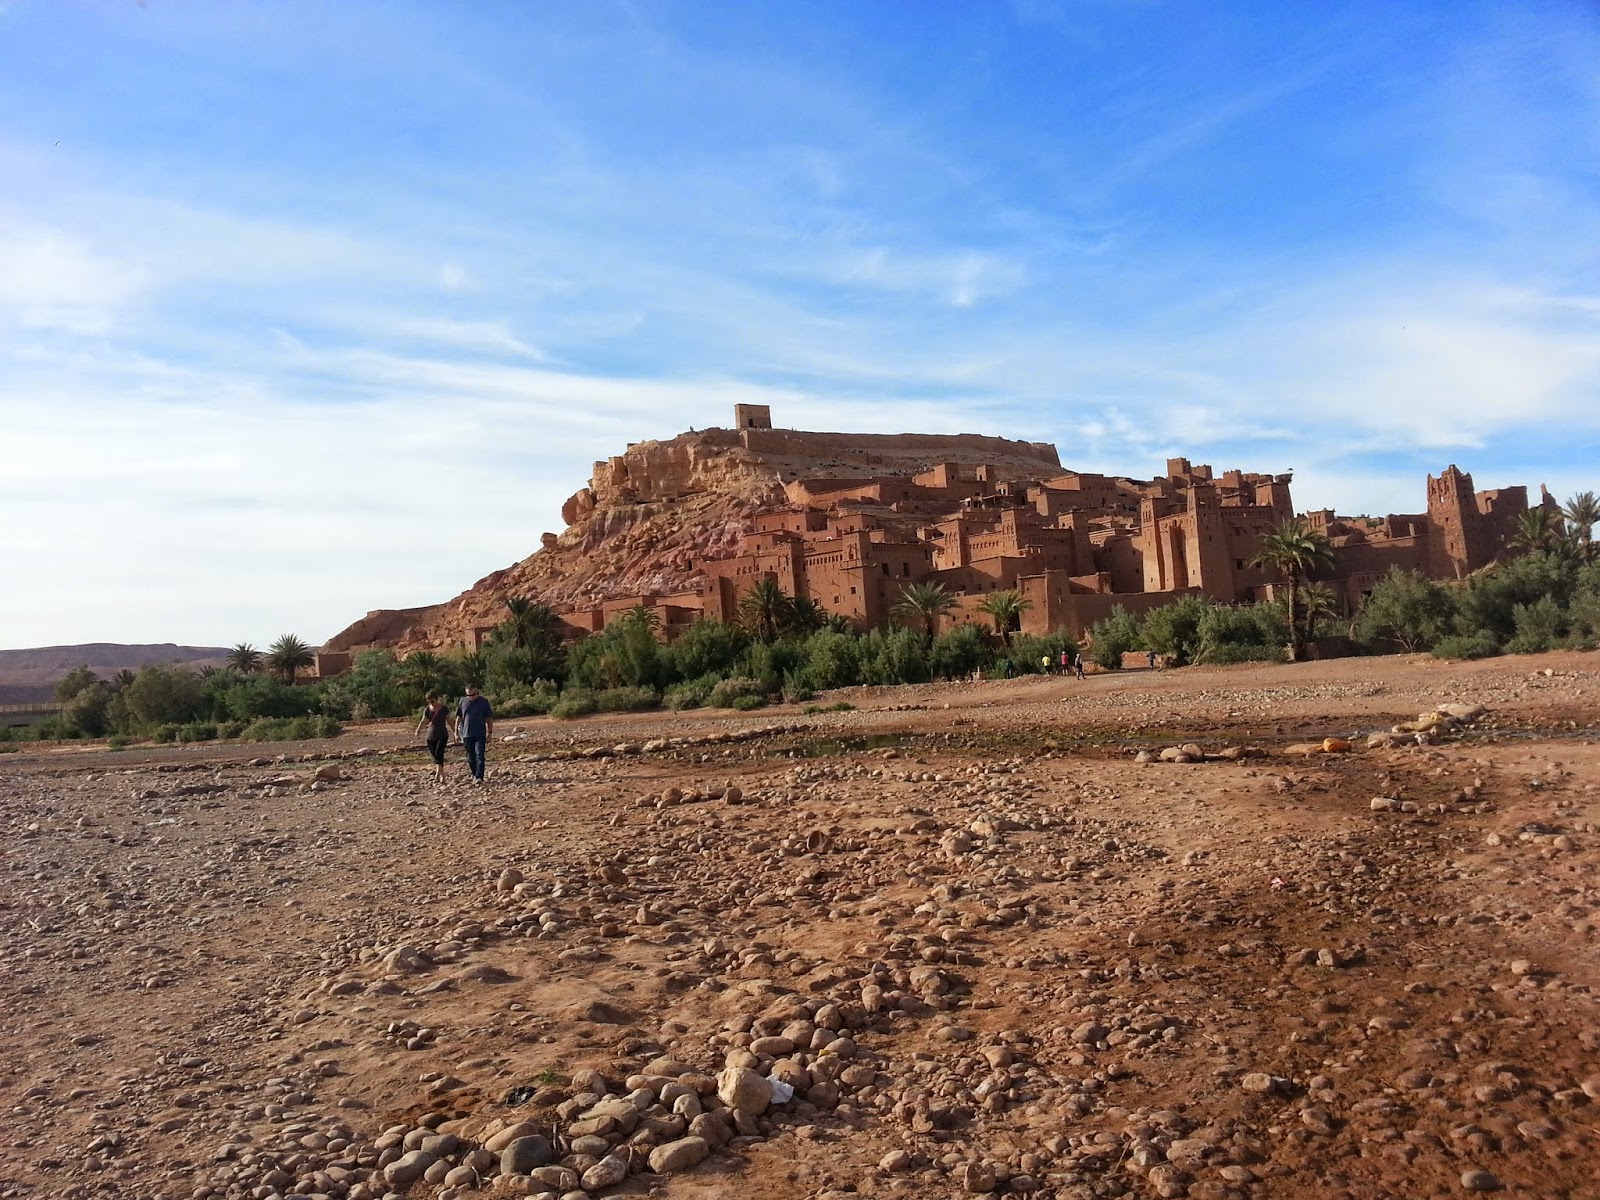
957 941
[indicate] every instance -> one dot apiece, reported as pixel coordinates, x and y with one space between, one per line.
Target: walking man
475 726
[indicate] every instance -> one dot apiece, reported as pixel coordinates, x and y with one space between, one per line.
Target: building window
852 591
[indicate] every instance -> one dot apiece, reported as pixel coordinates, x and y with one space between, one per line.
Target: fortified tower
1457 541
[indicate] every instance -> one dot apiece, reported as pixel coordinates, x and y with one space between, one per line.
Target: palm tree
1294 551
642 616
1006 609
245 659
122 679
532 624
1582 513
1537 528
425 670
1317 600
807 615
474 666
925 602
287 656
766 609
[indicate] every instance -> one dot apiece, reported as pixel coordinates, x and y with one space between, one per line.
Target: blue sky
307 309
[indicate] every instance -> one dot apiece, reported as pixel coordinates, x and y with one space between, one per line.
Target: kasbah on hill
852 520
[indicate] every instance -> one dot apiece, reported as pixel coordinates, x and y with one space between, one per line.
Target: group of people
1070 663
473 723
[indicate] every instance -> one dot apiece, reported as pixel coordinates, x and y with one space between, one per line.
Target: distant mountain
38 669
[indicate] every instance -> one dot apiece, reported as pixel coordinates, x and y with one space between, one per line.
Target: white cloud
52 280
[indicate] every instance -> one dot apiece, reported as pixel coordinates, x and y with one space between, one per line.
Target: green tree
924 603
77 680
474 666
1173 630
425 671
245 659
1111 638
1294 551
1489 604
161 695
807 615
1005 609
534 630
1317 602
957 653
707 647
1534 530
1408 608
121 679
288 656
88 711
765 610
1582 512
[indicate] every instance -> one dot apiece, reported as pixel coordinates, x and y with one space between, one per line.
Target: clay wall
893 446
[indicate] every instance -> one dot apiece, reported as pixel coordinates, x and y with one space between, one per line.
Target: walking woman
437 719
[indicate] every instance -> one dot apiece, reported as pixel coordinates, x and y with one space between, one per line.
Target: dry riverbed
955 942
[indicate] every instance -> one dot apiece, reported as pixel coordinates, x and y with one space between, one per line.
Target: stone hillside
648 514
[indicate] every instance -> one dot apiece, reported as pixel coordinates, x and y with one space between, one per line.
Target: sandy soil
991 952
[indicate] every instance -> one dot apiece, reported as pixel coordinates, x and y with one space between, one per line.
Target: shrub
746 703
1540 626
1227 653
796 688
290 729
1466 645
166 733
162 695
1174 629
1027 652
1407 608
575 702
627 699
230 729
116 742
197 731
1111 638
812 710
891 656
705 648
692 694
832 659
958 652
737 688
534 701
1490 604
1253 633
264 696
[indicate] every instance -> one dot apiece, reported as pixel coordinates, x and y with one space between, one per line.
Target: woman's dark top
438 718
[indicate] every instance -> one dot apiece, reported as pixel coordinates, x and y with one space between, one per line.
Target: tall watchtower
752 416
1455 533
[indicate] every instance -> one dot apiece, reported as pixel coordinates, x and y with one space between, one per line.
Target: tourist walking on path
475 726
1044 663
436 717
1077 663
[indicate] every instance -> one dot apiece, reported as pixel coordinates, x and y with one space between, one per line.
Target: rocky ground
958 941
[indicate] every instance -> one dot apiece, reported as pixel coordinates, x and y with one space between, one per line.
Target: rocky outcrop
648 515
